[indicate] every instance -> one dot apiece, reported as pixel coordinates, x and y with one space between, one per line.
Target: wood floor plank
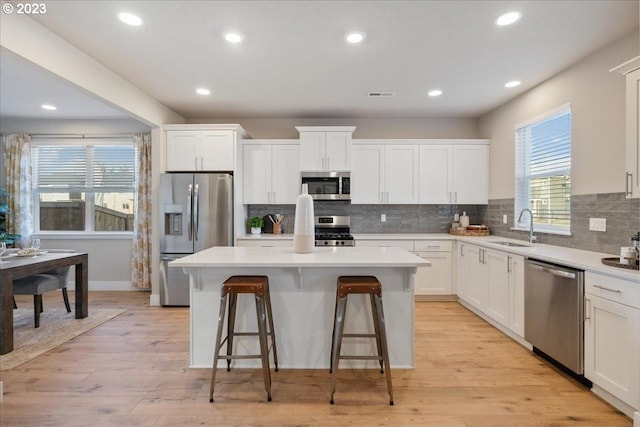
133 371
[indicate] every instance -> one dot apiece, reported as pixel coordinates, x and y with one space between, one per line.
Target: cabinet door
612 348
367 173
633 135
436 279
497 286
285 181
470 174
436 164
338 151
312 151
217 150
478 278
462 267
401 174
256 178
181 151
516 294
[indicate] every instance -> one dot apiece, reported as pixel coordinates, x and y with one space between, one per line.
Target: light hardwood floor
133 371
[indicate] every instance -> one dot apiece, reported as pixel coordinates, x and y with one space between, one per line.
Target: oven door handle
555 272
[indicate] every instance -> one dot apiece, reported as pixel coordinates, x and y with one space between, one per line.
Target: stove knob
342 242
326 243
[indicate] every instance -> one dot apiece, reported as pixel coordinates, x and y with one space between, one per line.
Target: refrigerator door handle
196 213
189 216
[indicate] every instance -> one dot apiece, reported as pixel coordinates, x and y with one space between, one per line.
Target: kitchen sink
517 245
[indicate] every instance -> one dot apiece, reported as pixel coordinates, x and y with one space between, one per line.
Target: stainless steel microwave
328 185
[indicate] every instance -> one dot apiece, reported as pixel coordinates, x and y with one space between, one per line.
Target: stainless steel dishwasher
554 312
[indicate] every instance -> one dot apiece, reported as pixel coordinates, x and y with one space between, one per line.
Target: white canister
464 220
304 224
627 255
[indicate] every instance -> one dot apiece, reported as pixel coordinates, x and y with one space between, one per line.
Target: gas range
333 231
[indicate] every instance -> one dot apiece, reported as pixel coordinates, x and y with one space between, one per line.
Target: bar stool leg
383 339
333 333
264 346
267 297
337 342
376 328
216 349
231 324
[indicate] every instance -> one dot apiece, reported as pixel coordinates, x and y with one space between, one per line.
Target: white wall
369 128
91 127
597 99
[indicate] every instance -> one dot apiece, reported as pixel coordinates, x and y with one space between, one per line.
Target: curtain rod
79 136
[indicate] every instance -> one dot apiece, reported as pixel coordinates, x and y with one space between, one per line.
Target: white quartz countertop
248 256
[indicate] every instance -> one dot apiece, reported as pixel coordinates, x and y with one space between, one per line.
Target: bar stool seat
359 285
259 287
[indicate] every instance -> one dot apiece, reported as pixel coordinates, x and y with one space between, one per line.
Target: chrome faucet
532 238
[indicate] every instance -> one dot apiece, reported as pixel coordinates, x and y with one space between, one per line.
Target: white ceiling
295 63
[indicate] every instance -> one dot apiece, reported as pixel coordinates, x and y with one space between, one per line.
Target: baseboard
435 298
636 419
106 286
154 300
617 403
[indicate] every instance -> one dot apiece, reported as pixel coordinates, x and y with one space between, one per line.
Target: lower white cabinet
612 336
265 242
492 281
436 279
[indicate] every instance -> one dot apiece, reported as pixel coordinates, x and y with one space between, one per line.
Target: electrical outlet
504 218
597 224
383 217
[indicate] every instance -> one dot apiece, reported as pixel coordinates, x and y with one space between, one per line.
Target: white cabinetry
454 173
385 173
200 150
325 148
632 71
271 175
265 242
612 337
492 281
436 279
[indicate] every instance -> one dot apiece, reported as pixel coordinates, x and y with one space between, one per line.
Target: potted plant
9 239
256 223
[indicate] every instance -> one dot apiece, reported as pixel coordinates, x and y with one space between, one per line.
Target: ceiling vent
381 94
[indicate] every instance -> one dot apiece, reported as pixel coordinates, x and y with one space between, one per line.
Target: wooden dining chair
38 284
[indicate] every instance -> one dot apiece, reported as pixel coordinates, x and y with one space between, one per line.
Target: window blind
84 168
543 171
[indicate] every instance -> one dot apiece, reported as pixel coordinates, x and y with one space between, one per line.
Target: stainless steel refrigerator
196 213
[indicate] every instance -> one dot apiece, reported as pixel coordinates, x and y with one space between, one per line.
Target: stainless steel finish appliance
328 185
196 213
333 231
554 312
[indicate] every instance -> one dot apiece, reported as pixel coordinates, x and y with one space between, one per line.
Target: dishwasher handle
554 271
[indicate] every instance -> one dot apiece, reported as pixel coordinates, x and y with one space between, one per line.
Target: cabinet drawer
433 245
265 242
404 244
625 292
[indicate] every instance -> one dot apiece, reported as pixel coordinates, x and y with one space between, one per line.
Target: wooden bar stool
359 285
259 286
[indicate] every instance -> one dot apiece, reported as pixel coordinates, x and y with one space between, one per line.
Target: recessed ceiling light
48 107
508 18
203 91
512 83
130 19
354 37
233 37
435 92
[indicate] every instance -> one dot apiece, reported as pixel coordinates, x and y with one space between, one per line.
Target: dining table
14 267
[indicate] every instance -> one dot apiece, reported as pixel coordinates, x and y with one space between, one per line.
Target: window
543 171
88 187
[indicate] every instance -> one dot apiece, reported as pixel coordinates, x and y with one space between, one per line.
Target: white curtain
17 152
141 263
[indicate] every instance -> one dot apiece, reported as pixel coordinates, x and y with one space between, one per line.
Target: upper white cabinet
632 71
270 172
384 173
198 148
454 173
325 148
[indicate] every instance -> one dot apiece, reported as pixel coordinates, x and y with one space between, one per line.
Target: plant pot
256 230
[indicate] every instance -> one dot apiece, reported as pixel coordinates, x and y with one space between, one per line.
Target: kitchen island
302 296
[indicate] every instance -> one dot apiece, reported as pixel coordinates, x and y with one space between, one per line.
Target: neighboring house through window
83 185
543 172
